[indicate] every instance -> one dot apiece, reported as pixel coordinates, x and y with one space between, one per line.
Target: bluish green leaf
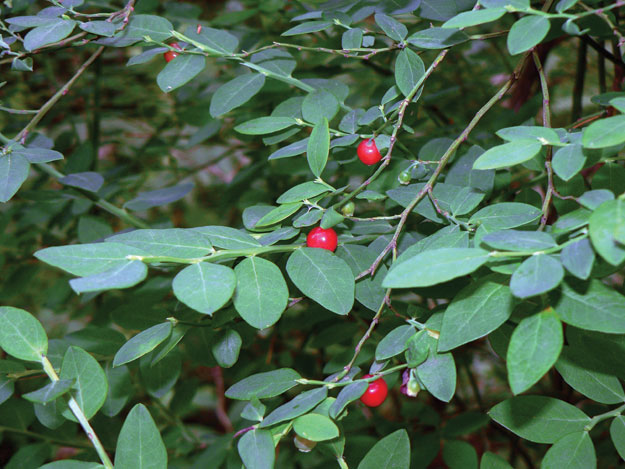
319 104
158 197
318 147
228 238
235 93
38 155
139 444
604 223
214 41
48 33
263 385
121 276
537 274
578 258
437 38
459 454
394 343
226 348
170 242
90 385
474 18
526 33
391 452
573 451
308 27
505 215
438 375
391 27
156 27
617 433
306 190
297 406
142 343
409 69
257 450
13 172
88 180
180 71
50 391
508 154
315 427
348 394
264 125
568 161
514 240
22 335
604 133
205 287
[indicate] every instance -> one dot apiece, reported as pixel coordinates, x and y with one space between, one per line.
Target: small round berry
320 238
368 152
404 177
170 54
348 209
376 392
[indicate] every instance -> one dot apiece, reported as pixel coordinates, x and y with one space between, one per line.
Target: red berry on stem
376 392
170 54
320 238
368 152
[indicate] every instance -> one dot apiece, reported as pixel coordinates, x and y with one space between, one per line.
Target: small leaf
617 433
50 391
534 348
508 154
263 385
38 155
318 147
438 375
235 93
568 161
459 454
514 240
297 406
607 220
308 27
257 450
315 427
121 276
139 443
264 125
22 335
578 258
90 387
156 27
505 215
319 104
14 170
526 33
474 18
391 27
394 343
540 419
205 287
226 348
537 274
88 180
143 343
391 451
348 394
323 277
180 71
409 69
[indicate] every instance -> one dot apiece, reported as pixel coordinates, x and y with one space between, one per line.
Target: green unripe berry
348 209
404 177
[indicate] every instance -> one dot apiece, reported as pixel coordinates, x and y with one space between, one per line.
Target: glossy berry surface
320 238
170 54
368 152
376 392
404 177
348 209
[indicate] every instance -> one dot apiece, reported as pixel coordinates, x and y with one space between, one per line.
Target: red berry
320 238
376 392
368 152
170 54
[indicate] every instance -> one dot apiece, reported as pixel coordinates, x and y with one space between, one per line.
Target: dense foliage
312 234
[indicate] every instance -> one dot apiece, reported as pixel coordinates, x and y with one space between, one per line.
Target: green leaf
37 155
257 450
435 266
158 378
88 259
319 104
13 172
505 215
235 93
226 348
263 385
306 190
351 39
22 335
477 310
409 69
254 410
70 464
180 71
591 305
544 135
158 197
578 258
474 18
534 348
215 41
459 454
156 27
122 276
228 238
120 390
513 240
391 452
568 161
139 443
369 291
205 287
508 154
617 433
261 294
101 28
438 375
87 180
391 27
493 461
315 427
394 343
574 451
297 406
465 423
526 33
48 33
318 147
584 374
349 393
537 274
170 242
604 133
50 391
323 277
418 348
143 343
264 125
540 419
604 223
278 214
437 38
90 387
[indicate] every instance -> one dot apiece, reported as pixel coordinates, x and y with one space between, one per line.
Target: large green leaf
438 374
474 18
369 291
22 335
14 170
297 406
459 454
90 385
540 419
391 452
323 277
537 274
534 348
139 444
604 224
617 433
434 267
315 427
228 238
514 240
573 451
409 69
261 294
263 385
605 133
205 287
257 450
235 93
120 276
475 311
156 27
48 33
526 33
508 154
171 242
265 125
180 71
394 343
505 215
142 343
